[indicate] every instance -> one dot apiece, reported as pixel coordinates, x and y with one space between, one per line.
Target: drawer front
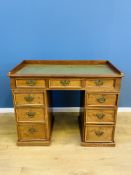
27 99
100 115
32 132
100 84
30 114
65 83
99 133
101 99
30 83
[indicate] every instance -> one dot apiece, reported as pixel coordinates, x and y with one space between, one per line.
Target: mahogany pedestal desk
32 81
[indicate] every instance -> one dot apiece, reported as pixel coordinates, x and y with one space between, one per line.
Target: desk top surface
65 68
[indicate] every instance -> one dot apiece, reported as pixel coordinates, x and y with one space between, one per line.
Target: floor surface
65 156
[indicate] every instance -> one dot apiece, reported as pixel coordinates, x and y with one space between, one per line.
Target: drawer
30 83
27 99
101 133
100 115
30 114
65 83
101 99
100 84
32 132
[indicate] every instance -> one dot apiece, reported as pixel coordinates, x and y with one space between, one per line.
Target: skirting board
66 109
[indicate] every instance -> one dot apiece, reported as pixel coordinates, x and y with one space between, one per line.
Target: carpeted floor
65 156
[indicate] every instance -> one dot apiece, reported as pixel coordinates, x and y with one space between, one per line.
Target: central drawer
65 83
28 98
99 133
101 99
30 114
32 132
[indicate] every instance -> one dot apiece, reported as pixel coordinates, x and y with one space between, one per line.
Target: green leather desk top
65 68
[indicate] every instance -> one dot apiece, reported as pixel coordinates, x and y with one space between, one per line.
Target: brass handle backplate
32 130
100 115
99 82
31 82
101 99
65 82
29 98
30 114
99 133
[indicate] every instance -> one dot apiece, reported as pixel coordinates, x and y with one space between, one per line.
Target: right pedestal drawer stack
101 101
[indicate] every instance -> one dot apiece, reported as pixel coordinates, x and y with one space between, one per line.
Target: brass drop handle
100 115
65 82
99 82
99 133
101 99
31 82
30 114
32 130
29 98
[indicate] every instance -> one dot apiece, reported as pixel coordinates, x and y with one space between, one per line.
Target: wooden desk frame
100 103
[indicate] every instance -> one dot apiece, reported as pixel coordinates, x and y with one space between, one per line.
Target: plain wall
67 29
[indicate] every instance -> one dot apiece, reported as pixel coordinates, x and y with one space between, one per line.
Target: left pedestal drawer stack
34 121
